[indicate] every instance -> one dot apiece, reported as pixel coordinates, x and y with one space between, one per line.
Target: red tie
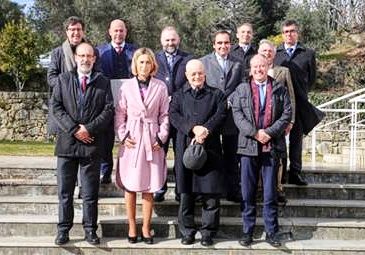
83 83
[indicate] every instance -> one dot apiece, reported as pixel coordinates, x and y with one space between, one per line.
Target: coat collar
151 92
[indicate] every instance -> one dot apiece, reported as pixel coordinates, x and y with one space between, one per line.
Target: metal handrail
354 99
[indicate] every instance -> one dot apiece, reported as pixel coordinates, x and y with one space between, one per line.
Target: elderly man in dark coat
197 111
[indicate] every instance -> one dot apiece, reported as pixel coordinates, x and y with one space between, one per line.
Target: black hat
194 156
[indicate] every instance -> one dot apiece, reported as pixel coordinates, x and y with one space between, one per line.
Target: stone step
116 207
312 191
167 227
45 245
313 174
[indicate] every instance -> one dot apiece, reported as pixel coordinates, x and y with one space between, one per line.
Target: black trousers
230 159
210 214
67 169
296 147
106 165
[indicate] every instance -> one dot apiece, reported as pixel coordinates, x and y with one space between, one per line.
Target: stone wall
22 116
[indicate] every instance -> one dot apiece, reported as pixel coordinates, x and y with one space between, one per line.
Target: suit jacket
177 78
108 61
227 83
282 75
243 57
302 67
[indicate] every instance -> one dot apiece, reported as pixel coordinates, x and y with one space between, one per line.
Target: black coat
243 57
302 67
244 117
177 78
95 110
186 111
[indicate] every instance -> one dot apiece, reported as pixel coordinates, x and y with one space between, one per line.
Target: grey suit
227 82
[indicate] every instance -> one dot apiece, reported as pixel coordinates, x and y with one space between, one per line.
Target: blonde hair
151 56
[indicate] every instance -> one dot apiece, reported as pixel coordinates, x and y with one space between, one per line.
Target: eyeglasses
75 29
85 56
290 31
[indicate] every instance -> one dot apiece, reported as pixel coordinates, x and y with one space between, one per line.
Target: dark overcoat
243 57
302 67
188 109
70 108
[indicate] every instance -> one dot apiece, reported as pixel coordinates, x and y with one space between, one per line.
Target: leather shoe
281 197
234 198
159 197
273 239
297 179
186 240
206 241
92 238
132 239
246 240
147 240
62 238
105 179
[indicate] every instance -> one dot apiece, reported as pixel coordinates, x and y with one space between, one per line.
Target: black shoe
281 197
62 238
159 197
246 240
147 240
206 241
105 179
297 179
234 198
273 239
186 240
132 239
92 238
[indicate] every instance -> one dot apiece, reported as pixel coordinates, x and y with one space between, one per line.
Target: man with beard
172 62
115 61
82 105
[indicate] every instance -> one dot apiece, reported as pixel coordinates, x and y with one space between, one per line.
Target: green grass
21 148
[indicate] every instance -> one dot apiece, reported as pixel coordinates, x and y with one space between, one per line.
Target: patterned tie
83 83
118 49
290 51
170 61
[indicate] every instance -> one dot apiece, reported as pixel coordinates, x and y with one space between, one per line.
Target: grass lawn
21 148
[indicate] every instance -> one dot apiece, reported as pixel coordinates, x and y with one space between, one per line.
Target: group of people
239 102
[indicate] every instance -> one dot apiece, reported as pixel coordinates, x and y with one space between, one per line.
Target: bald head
195 73
170 39
259 68
117 31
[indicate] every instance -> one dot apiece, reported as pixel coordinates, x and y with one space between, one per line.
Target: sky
28 3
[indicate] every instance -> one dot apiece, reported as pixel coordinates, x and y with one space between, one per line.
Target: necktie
290 51
170 61
223 64
83 83
118 49
262 95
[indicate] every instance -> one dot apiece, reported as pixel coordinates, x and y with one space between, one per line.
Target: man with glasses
82 106
302 66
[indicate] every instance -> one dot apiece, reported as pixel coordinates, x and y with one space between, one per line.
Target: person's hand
288 128
200 131
199 139
156 147
83 135
262 136
129 143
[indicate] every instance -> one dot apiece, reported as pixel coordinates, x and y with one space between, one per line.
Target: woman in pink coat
141 123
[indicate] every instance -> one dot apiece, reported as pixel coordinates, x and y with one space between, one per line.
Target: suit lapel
215 63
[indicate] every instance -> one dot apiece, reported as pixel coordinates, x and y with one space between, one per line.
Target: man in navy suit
115 60
172 62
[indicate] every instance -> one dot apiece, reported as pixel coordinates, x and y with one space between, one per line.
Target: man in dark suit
244 50
115 63
82 105
171 69
225 72
302 66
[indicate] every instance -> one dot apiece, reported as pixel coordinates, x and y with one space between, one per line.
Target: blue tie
262 95
290 51
170 61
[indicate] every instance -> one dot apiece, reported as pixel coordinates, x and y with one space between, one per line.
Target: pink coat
140 168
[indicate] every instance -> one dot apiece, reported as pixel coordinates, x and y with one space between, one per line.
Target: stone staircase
326 217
